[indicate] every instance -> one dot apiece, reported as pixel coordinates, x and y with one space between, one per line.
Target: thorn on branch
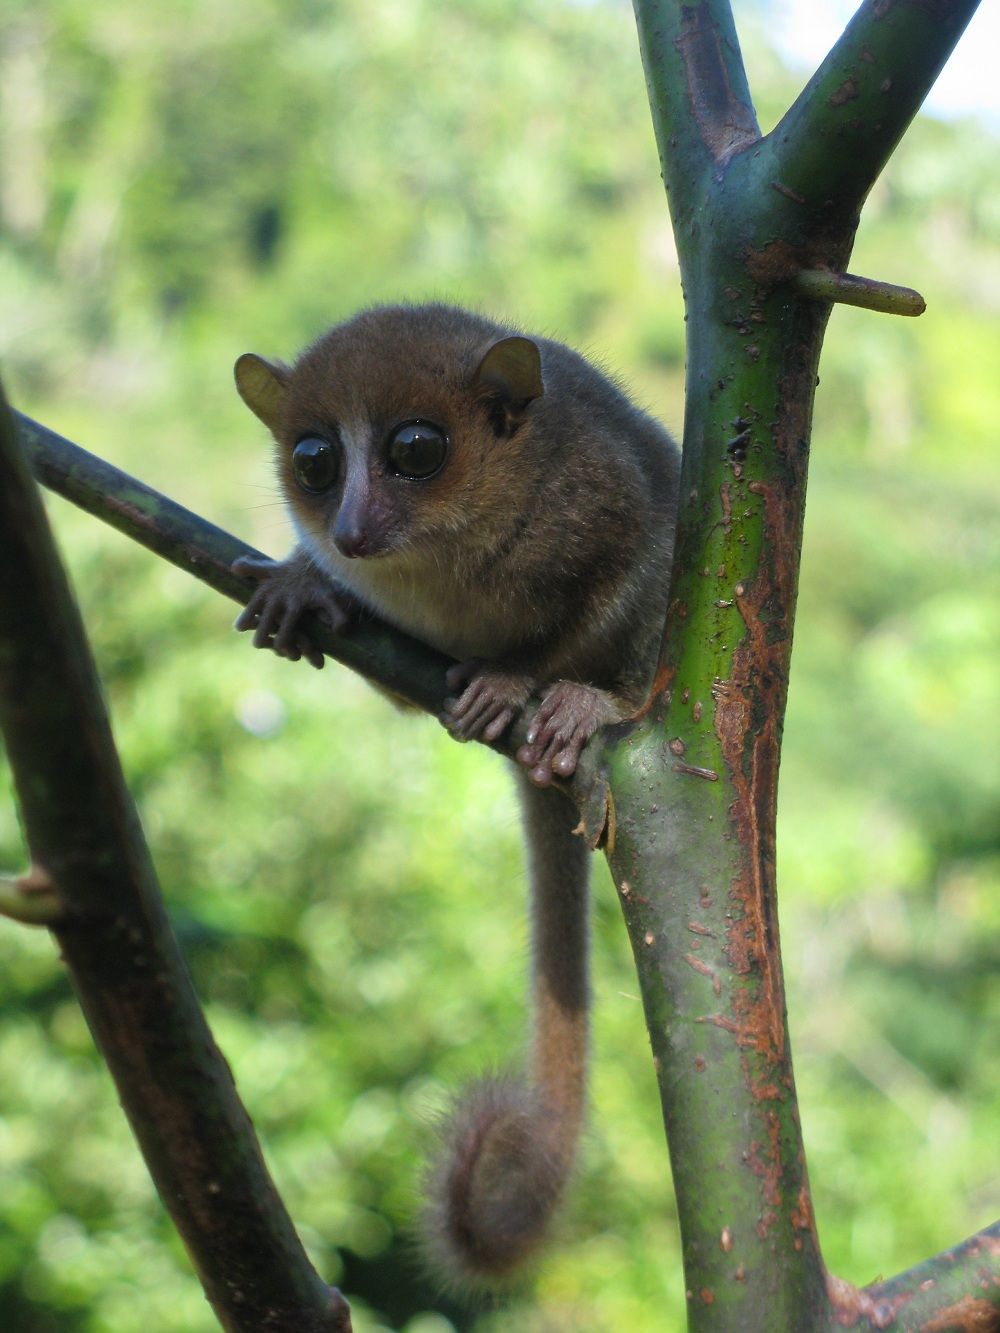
31 899
820 284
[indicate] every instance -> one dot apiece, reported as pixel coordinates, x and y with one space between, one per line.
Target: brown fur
539 556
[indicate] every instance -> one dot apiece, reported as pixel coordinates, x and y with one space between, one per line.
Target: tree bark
92 882
764 228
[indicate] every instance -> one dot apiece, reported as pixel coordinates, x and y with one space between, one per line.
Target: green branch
957 1289
764 232
698 93
84 837
833 143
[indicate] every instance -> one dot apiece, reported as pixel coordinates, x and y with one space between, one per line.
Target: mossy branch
89 857
764 229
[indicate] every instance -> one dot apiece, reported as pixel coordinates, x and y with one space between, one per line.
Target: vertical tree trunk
764 231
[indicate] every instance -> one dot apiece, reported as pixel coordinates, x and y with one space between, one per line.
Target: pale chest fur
436 601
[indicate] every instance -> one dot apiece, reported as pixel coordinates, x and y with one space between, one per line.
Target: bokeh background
185 182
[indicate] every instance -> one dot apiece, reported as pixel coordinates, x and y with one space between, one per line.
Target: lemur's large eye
315 463
417 449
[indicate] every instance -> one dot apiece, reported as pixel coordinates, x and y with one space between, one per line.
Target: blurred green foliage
181 184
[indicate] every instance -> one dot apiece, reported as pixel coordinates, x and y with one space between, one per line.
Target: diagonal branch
409 670
957 1289
90 861
834 141
382 654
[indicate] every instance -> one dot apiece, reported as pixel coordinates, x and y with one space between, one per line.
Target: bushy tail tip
503 1162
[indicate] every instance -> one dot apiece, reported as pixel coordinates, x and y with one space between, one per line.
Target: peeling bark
764 229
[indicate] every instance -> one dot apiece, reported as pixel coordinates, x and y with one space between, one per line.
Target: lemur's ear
512 371
263 386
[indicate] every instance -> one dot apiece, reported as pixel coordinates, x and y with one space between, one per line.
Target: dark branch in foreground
90 861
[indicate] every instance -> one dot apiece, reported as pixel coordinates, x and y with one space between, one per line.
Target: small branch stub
820 284
31 899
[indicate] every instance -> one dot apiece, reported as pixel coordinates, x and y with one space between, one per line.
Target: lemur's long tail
509 1145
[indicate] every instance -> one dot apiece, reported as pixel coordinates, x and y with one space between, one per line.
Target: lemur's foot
285 591
567 717
489 702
